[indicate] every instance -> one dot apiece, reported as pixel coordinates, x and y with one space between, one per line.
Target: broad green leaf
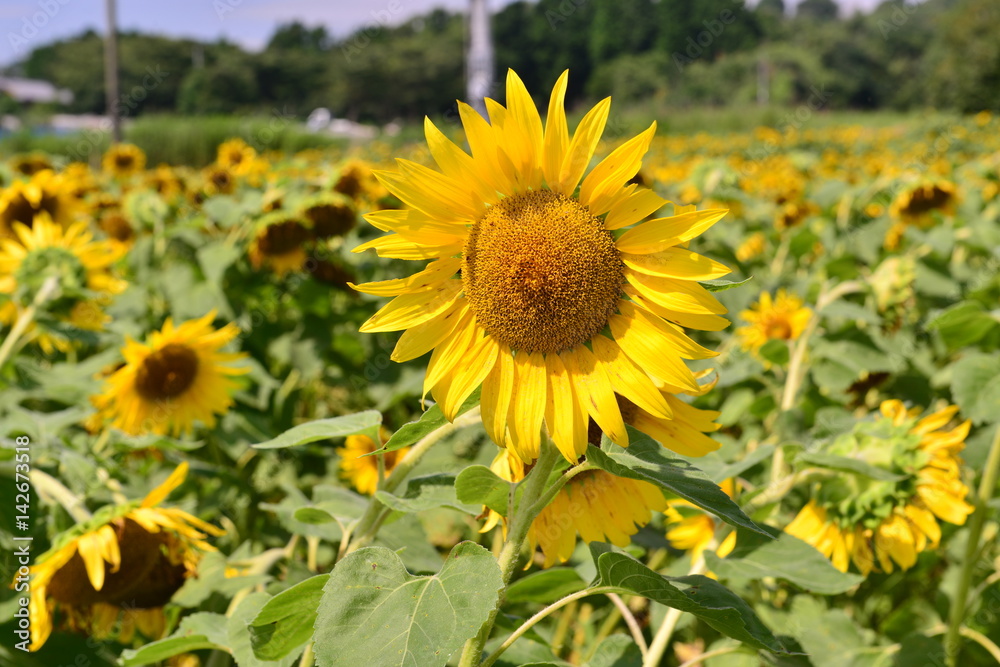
646 460
975 384
313 516
828 636
375 613
478 485
427 492
963 324
545 586
855 356
285 622
705 598
203 630
240 639
722 285
215 258
849 465
787 558
776 351
616 651
366 422
413 432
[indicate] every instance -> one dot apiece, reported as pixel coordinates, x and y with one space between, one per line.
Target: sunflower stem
520 522
46 291
51 488
364 531
987 485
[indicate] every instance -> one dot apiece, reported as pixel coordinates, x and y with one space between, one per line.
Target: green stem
520 522
50 488
48 288
370 521
307 656
952 642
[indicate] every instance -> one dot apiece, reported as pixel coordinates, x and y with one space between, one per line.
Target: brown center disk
167 372
541 273
145 579
282 237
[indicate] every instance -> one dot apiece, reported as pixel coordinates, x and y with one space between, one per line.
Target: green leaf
776 351
963 324
787 558
375 613
975 384
616 651
849 465
313 516
285 623
215 258
707 599
413 432
478 485
366 422
240 640
546 586
203 630
427 492
646 460
722 285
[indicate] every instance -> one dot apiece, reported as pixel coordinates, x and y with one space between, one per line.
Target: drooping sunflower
279 243
596 505
781 318
534 292
45 192
124 160
82 266
178 377
112 575
883 523
362 471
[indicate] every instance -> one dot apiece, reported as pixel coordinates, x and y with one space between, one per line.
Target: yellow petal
396 246
593 388
654 355
611 173
418 192
160 493
456 163
674 435
454 388
482 141
630 210
700 321
662 233
90 548
452 351
676 263
565 414
663 333
422 338
461 202
410 310
679 295
498 388
524 115
556 132
527 409
628 380
581 147
436 273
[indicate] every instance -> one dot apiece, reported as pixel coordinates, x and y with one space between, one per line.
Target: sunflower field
533 391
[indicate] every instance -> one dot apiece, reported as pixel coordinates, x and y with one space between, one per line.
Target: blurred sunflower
279 243
177 378
529 272
355 180
217 180
165 181
917 207
81 265
695 529
118 569
362 471
329 215
119 230
124 160
29 164
46 192
596 505
235 156
859 519
751 247
783 318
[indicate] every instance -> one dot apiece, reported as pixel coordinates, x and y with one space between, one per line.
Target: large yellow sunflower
118 569
45 192
854 518
177 378
81 265
534 292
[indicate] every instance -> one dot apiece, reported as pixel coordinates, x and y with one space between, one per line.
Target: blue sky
26 24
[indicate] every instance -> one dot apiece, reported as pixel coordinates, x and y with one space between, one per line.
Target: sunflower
751 247
120 568
81 265
118 228
329 215
165 181
361 471
355 180
882 523
235 155
534 292
124 160
175 379
783 318
217 180
695 529
279 243
596 505
29 164
917 207
45 192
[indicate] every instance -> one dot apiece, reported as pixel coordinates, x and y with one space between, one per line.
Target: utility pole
111 72
479 59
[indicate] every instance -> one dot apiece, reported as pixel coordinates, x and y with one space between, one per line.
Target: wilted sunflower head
45 192
782 318
361 471
535 291
280 243
113 574
889 511
179 377
123 160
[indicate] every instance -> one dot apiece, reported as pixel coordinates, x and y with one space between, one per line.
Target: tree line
673 53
